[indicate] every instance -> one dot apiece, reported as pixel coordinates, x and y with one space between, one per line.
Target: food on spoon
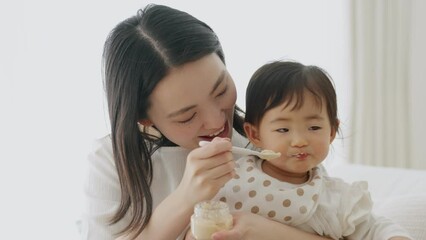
269 154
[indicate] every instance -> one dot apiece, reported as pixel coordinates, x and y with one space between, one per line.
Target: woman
167 89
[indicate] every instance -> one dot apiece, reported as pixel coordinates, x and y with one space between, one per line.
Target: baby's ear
252 133
334 131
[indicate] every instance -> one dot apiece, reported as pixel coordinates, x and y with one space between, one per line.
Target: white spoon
264 154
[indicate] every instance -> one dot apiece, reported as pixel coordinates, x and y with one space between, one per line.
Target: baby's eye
282 130
315 128
187 120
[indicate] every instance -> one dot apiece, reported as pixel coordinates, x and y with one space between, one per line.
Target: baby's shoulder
338 187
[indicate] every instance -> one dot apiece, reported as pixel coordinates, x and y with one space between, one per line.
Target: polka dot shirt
323 205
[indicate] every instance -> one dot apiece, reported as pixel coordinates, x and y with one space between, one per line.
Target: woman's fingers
221 170
213 177
239 230
227 235
208 168
212 155
216 146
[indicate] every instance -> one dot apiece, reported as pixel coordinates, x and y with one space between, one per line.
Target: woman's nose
214 118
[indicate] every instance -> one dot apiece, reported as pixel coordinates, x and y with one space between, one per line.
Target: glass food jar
210 217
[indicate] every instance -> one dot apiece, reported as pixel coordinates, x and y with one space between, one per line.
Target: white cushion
383 182
399 194
409 211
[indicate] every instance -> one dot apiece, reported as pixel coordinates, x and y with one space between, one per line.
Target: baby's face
302 136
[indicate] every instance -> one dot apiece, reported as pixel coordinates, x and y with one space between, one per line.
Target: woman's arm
168 220
250 226
207 169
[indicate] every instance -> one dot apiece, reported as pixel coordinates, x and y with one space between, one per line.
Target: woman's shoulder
101 174
101 154
102 143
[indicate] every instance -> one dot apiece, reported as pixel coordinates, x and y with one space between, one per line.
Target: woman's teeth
217 133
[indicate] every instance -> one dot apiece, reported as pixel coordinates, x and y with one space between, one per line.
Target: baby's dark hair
284 82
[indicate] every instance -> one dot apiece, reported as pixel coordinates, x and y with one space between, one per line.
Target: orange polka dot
237 176
287 203
252 193
251 180
287 218
223 199
250 160
300 192
303 210
238 205
266 183
255 209
269 197
236 188
271 214
249 169
315 197
311 183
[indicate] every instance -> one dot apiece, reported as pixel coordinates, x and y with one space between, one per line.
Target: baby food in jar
210 217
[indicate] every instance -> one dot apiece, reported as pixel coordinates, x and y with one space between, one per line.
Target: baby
291 109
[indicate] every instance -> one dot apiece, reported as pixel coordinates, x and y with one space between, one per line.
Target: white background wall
51 96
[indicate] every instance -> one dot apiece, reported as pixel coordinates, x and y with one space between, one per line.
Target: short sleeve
101 194
358 220
342 209
355 207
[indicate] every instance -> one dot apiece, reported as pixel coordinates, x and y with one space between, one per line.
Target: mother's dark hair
138 53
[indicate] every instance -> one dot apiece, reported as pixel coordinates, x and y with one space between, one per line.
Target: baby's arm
359 220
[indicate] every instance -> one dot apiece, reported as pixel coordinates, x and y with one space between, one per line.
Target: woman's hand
243 223
208 168
249 226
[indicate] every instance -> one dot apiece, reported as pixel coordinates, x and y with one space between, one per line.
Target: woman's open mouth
223 133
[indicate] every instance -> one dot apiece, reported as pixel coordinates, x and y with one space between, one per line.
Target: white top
323 205
102 187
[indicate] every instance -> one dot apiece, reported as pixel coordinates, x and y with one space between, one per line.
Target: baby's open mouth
300 155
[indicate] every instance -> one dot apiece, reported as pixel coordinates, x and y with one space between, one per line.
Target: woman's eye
187 120
223 92
282 130
315 128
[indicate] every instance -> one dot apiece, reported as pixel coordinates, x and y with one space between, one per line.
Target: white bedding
399 194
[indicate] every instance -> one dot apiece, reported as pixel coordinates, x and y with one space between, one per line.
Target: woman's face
194 102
